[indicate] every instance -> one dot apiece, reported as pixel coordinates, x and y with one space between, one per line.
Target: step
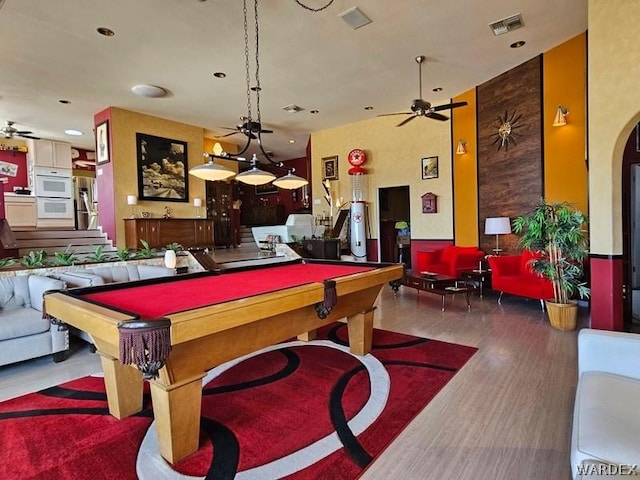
39 234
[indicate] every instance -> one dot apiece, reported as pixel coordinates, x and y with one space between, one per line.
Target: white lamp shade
290 182
497 225
211 171
255 176
197 202
132 200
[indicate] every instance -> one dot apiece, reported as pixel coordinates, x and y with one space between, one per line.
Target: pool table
212 318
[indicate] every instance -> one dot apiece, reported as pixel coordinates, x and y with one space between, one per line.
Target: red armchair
449 260
513 274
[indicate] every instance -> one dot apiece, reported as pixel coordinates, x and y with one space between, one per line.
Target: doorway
394 244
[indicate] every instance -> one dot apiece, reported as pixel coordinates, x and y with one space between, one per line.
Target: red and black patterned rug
295 410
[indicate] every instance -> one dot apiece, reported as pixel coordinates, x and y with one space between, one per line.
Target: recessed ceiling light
220 75
72 132
65 102
437 89
107 32
150 91
314 111
368 107
292 141
517 44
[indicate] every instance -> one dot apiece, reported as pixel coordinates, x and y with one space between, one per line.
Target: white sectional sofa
606 420
24 333
298 225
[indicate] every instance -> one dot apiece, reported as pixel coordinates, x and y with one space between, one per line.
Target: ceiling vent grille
507 24
292 108
355 18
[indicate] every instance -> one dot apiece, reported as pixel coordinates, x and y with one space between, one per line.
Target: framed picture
162 167
266 189
429 167
102 143
330 168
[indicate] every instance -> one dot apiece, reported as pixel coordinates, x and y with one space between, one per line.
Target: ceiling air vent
292 108
355 18
507 24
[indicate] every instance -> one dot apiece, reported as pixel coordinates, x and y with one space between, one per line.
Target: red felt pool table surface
157 300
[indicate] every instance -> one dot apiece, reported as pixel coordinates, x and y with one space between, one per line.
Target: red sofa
450 260
513 274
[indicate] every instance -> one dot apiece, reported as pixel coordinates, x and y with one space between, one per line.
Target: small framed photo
429 167
102 143
330 168
266 189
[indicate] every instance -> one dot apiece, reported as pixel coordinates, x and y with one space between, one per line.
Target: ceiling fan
9 131
248 128
422 108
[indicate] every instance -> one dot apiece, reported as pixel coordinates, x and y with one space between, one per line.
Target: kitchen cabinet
20 211
49 153
219 209
159 232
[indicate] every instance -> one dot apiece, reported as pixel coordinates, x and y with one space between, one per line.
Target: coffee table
483 277
443 285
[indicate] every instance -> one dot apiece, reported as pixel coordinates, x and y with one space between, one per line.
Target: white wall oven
54 192
53 183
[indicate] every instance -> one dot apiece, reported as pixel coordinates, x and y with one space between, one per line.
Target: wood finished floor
505 415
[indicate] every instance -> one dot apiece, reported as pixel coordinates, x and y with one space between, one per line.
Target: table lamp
497 226
197 202
133 201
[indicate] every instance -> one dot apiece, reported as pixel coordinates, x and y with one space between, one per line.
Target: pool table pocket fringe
145 344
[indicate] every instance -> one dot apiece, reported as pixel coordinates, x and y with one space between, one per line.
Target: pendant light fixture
253 130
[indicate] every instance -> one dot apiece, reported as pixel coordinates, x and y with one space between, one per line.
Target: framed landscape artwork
429 167
162 167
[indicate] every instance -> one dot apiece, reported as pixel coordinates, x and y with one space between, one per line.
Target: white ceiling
49 50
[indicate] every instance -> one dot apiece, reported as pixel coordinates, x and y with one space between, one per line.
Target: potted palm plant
555 232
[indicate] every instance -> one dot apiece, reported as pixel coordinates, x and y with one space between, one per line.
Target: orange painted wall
564 81
465 173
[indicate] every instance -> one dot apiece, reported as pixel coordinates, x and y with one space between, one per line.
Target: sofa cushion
80 278
154 271
22 322
448 254
38 285
14 293
606 424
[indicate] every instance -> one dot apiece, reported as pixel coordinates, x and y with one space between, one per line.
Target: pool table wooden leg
124 387
361 332
308 336
176 410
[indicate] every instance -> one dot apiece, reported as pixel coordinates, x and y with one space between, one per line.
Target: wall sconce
197 202
133 201
462 147
560 119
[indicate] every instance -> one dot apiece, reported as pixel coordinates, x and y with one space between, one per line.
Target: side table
482 277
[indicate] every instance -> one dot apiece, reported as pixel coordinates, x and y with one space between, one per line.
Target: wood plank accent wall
510 180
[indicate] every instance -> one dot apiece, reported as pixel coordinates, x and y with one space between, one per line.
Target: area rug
295 410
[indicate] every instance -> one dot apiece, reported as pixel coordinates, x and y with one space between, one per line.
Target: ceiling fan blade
405 121
436 116
227 135
398 113
447 106
23 132
28 136
266 131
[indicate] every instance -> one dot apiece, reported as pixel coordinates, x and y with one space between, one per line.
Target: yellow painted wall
125 124
614 110
564 80
465 171
393 159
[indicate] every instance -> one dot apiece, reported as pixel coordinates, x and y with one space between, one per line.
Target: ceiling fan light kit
9 131
422 108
